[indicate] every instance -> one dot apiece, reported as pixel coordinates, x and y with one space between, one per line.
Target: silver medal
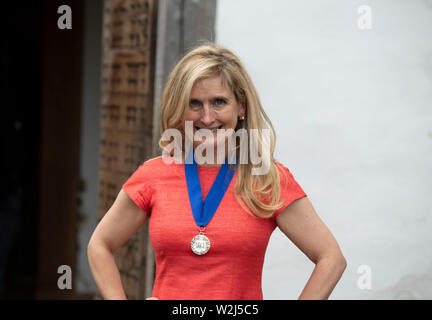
200 244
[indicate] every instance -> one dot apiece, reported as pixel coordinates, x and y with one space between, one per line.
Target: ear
242 111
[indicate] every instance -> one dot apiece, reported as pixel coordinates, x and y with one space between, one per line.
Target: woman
213 249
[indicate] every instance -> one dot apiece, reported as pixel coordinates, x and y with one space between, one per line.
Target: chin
205 145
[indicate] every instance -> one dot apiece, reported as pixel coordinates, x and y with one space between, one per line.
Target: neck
213 164
208 165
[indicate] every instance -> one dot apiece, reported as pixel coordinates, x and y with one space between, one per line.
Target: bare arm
118 225
304 228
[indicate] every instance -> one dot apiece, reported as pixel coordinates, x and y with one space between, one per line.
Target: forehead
210 86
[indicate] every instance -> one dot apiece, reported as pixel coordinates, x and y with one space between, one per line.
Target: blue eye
220 102
194 103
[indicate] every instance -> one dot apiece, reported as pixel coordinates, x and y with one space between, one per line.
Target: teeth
213 130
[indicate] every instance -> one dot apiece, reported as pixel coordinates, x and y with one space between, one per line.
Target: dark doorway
40 121
21 54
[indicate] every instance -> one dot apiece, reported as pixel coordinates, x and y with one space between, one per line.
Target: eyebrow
214 98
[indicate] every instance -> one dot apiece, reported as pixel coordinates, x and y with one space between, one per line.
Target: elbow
343 263
92 246
340 262
89 249
335 261
94 252
96 245
338 259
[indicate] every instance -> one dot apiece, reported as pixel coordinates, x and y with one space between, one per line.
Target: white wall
353 112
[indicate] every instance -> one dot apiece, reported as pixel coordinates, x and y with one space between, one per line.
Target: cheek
190 116
229 117
229 120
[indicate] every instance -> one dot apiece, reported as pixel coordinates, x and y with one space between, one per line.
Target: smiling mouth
213 130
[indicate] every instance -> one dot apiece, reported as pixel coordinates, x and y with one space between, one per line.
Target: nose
207 117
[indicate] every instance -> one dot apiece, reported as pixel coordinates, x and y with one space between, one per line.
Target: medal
203 212
200 244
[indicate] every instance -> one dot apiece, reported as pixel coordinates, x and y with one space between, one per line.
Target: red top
232 268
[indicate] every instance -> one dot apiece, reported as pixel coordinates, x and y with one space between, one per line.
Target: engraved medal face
200 244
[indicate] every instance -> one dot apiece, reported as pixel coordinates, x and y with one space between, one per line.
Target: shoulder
285 174
147 174
281 167
153 164
154 160
156 168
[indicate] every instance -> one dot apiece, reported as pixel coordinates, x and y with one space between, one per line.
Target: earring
242 118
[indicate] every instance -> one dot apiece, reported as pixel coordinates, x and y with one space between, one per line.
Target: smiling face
212 106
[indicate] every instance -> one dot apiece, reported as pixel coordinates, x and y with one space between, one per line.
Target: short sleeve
290 189
138 187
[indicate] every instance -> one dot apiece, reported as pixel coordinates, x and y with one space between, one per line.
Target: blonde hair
260 193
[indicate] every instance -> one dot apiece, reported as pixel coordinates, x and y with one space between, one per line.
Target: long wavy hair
257 194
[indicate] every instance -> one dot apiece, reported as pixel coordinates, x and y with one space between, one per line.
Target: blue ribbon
203 212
